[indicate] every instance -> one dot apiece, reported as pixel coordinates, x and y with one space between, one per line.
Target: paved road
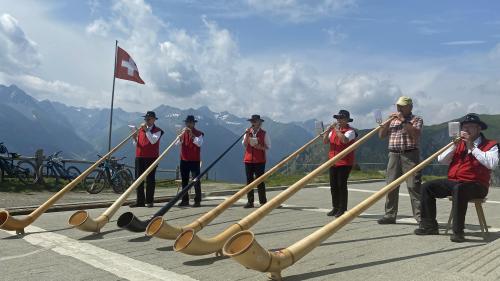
35 198
363 250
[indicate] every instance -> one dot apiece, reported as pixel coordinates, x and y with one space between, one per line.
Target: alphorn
129 221
243 247
8 222
190 243
83 221
158 227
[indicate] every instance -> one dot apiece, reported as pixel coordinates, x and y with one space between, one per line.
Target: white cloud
464 42
495 52
428 27
55 90
174 71
335 36
478 107
18 53
99 27
94 6
362 93
300 10
204 66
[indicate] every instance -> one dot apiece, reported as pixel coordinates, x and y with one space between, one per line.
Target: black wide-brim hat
190 118
151 114
343 114
255 117
473 118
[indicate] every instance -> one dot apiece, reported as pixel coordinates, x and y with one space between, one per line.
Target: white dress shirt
152 137
489 158
267 140
198 141
350 135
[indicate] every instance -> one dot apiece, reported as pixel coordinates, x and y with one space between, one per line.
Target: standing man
339 137
147 141
471 160
256 141
404 136
191 141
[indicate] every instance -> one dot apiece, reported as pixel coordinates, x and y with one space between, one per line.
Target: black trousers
141 164
338 186
253 171
462 192
186 168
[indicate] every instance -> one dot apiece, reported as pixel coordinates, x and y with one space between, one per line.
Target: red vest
465 167
254 155
336 146
189 150
144 148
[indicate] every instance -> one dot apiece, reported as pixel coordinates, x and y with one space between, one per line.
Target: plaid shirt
399 139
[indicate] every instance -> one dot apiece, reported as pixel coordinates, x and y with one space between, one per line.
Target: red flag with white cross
126 68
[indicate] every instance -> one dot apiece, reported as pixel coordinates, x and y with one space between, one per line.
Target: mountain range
27 124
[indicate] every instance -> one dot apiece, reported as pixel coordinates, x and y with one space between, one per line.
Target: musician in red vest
147 141
471 160
190 141
339 137
256 141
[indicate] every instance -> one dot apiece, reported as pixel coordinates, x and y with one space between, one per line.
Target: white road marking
117 264
23 255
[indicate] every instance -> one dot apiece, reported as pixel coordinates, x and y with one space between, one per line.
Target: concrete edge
24 210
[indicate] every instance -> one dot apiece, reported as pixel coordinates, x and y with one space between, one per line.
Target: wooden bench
480 215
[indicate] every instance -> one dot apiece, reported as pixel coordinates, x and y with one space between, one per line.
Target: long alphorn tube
160 228
190 243
83 221
129 221
8 222
247 251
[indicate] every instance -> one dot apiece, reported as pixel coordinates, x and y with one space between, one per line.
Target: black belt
402 151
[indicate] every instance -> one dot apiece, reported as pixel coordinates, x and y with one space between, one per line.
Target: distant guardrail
40 158
436 169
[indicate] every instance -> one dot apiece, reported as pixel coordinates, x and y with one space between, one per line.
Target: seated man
471 160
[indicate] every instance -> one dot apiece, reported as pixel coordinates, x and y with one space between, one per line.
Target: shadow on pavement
100 235
320 273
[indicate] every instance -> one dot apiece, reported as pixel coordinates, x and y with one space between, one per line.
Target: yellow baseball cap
403 100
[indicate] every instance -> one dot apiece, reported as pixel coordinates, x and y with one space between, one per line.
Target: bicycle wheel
25 171
47 172
100 182
121 181
73 172
130 173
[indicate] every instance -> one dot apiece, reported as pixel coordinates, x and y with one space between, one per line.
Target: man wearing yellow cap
404 136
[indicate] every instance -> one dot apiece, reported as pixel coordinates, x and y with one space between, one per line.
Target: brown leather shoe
386 220
457 237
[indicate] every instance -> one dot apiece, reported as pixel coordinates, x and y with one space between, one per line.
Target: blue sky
288 59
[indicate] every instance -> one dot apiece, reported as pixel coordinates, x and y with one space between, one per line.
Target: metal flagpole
112 99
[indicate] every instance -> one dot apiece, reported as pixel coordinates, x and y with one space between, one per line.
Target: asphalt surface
362 250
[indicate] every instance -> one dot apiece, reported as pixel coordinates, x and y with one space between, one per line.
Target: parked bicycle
110 173
23 170
55 168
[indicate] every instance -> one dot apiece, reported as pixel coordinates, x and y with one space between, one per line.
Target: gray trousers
399 164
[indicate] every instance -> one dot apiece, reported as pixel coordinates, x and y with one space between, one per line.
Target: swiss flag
126 68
